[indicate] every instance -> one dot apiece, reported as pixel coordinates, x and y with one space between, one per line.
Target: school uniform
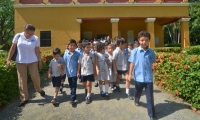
55 71
71 61
143 75
87 67
103 68
79 50
121 57
112 75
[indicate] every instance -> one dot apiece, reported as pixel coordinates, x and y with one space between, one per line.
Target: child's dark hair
80 41
130 44
56 51
120 41
100 47
84 44
72 41
144 33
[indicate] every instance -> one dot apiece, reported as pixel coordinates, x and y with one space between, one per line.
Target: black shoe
107 96
96 84
42 93
137 104
88 100
130 96
118 89
22 103
85 92
102 94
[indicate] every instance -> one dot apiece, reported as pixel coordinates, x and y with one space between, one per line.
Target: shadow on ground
165 109
12 111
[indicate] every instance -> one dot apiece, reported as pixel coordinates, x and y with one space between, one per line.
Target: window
45 38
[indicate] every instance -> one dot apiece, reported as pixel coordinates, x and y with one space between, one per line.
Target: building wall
62 20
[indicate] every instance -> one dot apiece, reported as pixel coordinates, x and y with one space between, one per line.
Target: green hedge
173 45
192 50
180 75
167 49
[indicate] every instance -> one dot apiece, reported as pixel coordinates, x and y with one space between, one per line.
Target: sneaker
118 89
61 89
112 89
42 93
96 84
129 96
53 101
85 92
22 103
102 94
88 100
106 95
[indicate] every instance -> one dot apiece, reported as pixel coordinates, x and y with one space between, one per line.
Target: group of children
105 63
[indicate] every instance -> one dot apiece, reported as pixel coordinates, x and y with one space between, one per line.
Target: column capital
184 19
150 20
79 20
114 20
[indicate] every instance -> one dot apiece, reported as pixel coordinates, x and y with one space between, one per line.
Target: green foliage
194 12
173 45
8 82
168 49
192 50
6 21
180 75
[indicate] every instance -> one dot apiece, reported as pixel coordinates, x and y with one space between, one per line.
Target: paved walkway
117 108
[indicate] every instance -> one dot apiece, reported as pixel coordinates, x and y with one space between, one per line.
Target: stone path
117 108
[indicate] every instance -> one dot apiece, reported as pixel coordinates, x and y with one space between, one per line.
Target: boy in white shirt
56 71
120 64
86 69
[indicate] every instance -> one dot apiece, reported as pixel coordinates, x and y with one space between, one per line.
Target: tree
6 21
194 11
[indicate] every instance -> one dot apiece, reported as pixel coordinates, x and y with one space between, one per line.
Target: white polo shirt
86 64
54 66
26 48
121 58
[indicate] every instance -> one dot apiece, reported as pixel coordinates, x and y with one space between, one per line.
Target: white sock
100 88
127 91
89 94
106 88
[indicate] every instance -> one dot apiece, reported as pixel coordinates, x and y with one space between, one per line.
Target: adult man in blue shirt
71 59
141 59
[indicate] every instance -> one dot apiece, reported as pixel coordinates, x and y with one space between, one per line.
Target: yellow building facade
56 23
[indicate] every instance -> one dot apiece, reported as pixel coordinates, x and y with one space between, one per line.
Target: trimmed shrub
168 49
173 45
180 75
192 50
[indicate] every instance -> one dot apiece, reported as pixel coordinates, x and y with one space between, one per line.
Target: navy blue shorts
56 81
121 72
87 78
63 77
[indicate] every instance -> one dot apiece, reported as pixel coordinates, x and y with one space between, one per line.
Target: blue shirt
79 50
142 61
71 61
